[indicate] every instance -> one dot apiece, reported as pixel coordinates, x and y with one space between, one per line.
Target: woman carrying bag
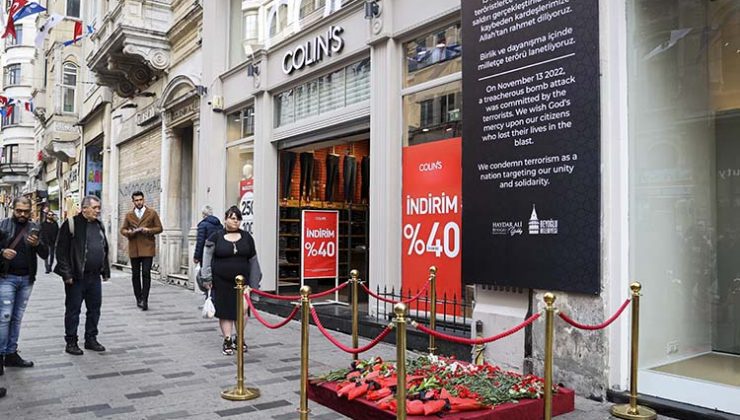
229 253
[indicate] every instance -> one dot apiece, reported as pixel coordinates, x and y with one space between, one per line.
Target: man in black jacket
82 258
20 245
49 232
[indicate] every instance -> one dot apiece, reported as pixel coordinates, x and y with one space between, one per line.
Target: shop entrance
331 175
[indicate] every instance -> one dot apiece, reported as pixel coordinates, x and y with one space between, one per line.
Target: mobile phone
34 232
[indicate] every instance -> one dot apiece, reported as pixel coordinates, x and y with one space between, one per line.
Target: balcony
130 49
14 173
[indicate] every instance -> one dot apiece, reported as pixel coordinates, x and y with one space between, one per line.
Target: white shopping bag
208 309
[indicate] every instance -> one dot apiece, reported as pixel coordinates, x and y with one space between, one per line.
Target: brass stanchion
632 411
400 310
549 335
479 350
433 304
305 313
240 392
354 274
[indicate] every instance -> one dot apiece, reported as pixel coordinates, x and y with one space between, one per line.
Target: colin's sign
314 50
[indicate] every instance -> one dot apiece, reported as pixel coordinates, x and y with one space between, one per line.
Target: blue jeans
14 294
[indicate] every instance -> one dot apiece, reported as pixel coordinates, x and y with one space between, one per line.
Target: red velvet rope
391 301
603 325
293 298
341 346
262 320
476 341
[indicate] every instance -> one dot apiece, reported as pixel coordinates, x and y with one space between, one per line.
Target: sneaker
15 360
228 347
92 344
73 349
233 345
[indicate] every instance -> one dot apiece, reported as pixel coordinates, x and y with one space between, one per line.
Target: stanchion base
233 394
623 411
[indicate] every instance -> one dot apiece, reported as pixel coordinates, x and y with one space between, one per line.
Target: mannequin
247 171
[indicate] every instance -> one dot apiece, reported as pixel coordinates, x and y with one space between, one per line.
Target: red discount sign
320 244
432 215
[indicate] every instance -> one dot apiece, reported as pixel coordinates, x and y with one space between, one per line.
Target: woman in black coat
229 253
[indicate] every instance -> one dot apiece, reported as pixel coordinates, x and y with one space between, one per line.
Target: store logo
314 51
541 227
506 228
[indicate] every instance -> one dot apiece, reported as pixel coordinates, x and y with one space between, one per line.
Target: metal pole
549 335
305 313
479 357
632 411
240 393
355 311
400 310
433 303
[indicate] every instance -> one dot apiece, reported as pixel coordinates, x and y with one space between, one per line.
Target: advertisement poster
246 204
532 150
320 244
432 214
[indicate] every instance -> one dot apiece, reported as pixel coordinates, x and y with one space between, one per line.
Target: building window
236 31
279 21
73 8
12 118
12 75
10 154
338 89
310 6
69 87
435 54
18 39
240 124
684 171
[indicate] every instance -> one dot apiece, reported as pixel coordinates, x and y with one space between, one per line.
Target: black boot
92 344
15 360
139 302
3 391
144 305
72 347
2 364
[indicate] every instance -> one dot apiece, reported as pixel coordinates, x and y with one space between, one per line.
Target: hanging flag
9 110
78 33
3 101
29 9
51 22
29 105
14 8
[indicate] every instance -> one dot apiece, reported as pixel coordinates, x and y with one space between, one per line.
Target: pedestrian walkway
166 363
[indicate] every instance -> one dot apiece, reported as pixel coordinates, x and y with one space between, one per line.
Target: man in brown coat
140 226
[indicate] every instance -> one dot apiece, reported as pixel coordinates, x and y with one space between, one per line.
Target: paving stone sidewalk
166 363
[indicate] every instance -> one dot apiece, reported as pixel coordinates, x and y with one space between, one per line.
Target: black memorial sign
531 149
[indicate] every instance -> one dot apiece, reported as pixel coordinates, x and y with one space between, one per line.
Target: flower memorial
435 385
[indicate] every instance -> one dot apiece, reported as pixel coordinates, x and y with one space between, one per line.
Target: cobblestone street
165 363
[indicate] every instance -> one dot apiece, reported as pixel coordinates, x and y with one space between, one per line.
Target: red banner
320 244
432 216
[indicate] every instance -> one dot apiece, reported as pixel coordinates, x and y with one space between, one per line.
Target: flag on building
44 30
3 100
29 9
78 33
14 8
29 105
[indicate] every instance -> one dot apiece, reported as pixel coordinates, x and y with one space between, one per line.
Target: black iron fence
454 313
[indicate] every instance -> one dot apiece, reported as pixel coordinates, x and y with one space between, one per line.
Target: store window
69 87
332 91
684 116
94 169
240 181
240 124
12 74
435 112
310 6
432 55
17 39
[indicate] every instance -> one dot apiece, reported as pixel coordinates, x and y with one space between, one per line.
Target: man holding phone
20 245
